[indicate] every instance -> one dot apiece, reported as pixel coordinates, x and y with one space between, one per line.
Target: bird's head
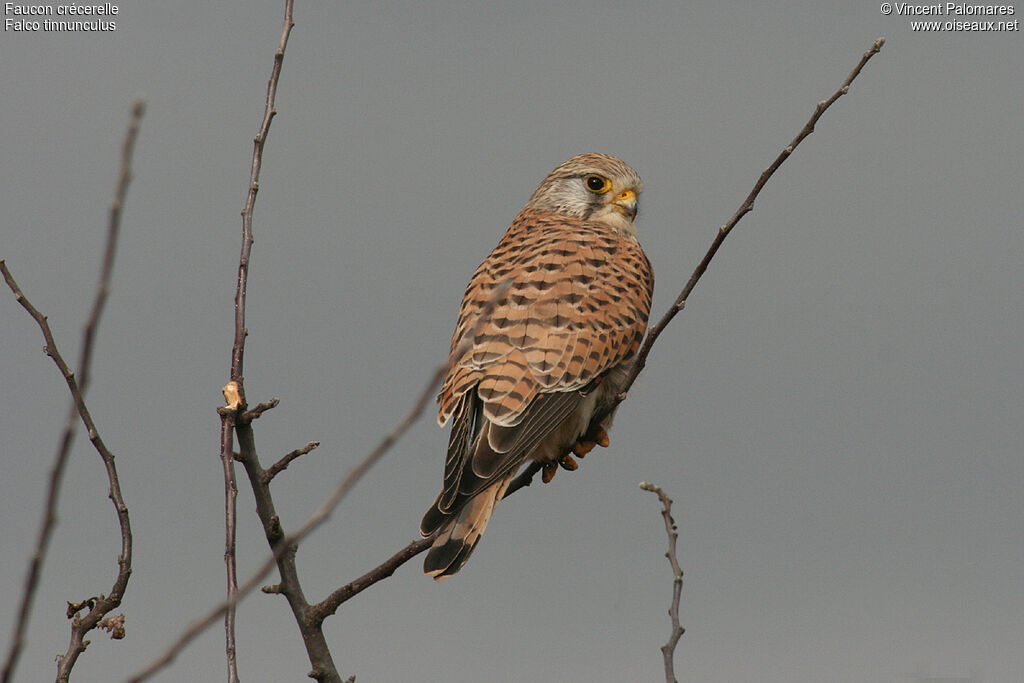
593 187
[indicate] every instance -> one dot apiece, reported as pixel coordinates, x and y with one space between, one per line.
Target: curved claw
583 447
587 443
567 463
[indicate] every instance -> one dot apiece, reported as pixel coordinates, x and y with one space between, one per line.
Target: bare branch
228 419
71 423
284 546
330 604
668 649
525 478
230 527
282 464
102 605
309 617
269 112
250 415
746 207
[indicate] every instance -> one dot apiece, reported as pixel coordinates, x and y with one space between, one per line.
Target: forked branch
284 545
78 388
525 477
229 419
99 607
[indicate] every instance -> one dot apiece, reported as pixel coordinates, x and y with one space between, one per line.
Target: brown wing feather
577 306
530 374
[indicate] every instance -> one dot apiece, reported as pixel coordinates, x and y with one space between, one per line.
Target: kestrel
535 360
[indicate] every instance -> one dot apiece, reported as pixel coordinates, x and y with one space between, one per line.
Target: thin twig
99 607
262 407
71 423
668 650
282 464
228 418
746 207
310 617
525 478
283 545
286 544
330 604
269 112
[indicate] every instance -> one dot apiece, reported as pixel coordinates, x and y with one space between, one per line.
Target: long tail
462 531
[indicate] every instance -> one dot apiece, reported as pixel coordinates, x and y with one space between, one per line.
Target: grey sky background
837 412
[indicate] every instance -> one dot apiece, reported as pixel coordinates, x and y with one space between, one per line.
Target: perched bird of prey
548 330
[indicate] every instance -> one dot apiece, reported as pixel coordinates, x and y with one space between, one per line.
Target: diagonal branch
284 546
84 367
332 602
99 607
310 617
746 207
255 413
282 464
335 599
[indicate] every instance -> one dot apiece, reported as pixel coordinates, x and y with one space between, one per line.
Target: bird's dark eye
596 183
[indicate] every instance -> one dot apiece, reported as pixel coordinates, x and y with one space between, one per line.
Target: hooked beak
625 203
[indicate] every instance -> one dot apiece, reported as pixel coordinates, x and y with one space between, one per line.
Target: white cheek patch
614 220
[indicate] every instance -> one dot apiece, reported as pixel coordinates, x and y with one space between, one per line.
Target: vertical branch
237 398
284 549
310 617
70 424
269 112
668 650
230 526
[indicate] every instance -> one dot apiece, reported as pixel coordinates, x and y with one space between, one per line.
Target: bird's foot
566 462
598 437
595 437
